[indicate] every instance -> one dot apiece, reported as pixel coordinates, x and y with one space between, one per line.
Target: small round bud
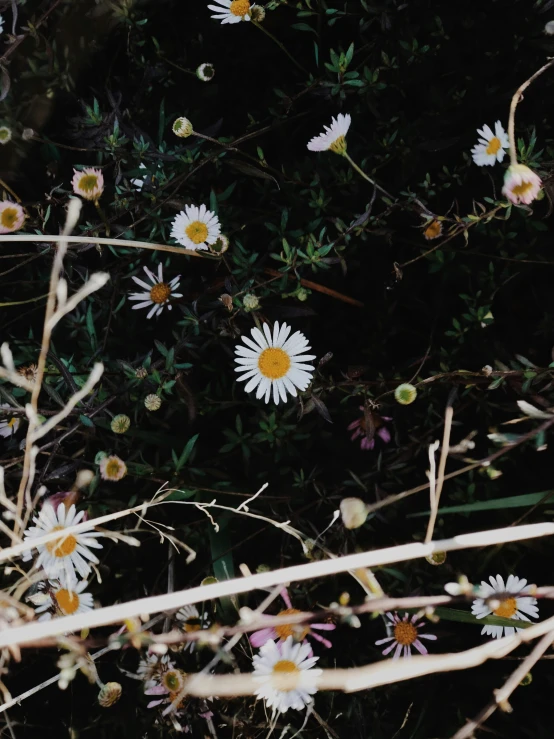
353 512
182 127
302 294
250 302
227 301
257 13
528 679
405 394
205 72
437 558
110 694
141 373
487 370
220 246
5 134
120 424
549 28
152 402
28 134
83 479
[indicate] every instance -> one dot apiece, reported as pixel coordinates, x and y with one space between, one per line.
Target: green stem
360 171
281 46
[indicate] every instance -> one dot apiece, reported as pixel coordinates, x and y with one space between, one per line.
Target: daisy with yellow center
196 228
12 217
297 631
334 137
274 362
112 468
191 621
521 184
159 292
231 11
170 685
491 147
9 425
404 634
62 598
286 675
510 600
67 554
88 183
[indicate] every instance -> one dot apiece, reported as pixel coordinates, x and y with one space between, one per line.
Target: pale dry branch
103 241
172 601
442 467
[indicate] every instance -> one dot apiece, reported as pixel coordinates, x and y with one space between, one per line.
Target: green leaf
514 501
452 614
86 421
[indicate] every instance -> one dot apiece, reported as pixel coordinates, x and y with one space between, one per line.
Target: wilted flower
405 634
513 602
231 11
353 512
334 136
432 230
5 132
88 183
196 227
405 393
112 468
109 694
359 428
182 127
152 402
298 632
159 292
8 426
286 675
29 372
274 362
205 72
491 147
220 245
521 184
12 217
250 302
67 553
257 13
120 423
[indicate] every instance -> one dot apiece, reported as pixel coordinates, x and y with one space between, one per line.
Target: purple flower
405 634
359 429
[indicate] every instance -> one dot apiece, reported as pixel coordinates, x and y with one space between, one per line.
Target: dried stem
442 466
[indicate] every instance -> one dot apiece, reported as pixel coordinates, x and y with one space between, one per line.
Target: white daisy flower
334 136
152 668
8 426
231 11
286 675
112 468
62 598
159 292
404 633
205 72
491 147
68 553
196 227
274 362
191 620
509 606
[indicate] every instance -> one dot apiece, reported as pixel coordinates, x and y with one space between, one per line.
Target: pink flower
521 184
405 634
12 216
88 183
298 631
359 429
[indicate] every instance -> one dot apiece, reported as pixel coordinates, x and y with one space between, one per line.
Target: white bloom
196 228
334 136
190 621
205 72
159 292
491 146
151 669
8 426
139 182
510 607
404 633
274 362
521 184
231 11
69 552
62 598
286 675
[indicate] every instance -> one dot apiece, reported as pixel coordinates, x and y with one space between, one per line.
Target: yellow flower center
507 608
405 633
62 546
8 217
520 190
297 630
494 145
240 7
88 182
160 293
113 469
68 601
285 675
274 363
4 134
433 230
173 680
197 232
12 422
339 145
192 624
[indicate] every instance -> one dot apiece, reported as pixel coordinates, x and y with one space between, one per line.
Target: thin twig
442 466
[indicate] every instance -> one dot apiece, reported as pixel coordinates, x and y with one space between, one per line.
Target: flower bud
182 127
109 694
405 394
120 424
152 402
353 512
